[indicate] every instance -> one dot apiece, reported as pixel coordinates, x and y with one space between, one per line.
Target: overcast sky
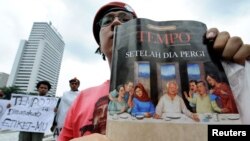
73 20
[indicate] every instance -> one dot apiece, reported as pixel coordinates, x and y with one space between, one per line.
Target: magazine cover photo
163 72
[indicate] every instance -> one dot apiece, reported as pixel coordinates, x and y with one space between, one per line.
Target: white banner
29 113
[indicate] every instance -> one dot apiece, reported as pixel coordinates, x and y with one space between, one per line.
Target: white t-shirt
66 101
239 80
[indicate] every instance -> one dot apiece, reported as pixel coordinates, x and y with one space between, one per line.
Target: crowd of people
60 110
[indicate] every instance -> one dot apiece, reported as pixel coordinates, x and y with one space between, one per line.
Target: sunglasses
122 17
74 83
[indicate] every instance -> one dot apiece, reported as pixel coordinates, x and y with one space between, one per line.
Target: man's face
172 89
192 87
201 89
129 87
107 32
100 118
42 89
121 92
74 86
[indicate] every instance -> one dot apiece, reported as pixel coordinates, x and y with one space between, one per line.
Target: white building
38 59
3 79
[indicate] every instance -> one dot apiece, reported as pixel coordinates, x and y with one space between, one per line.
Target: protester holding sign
42 87
109 16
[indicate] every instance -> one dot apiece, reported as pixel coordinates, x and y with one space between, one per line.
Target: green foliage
9 90
32 94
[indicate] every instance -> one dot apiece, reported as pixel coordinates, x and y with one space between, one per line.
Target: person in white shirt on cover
171 102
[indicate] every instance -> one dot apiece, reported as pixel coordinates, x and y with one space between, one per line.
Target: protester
65 102
42 87
107 17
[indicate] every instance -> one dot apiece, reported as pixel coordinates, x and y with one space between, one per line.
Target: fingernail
210 35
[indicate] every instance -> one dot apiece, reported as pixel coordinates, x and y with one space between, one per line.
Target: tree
9 90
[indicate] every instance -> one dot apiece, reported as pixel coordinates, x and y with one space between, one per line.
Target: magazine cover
164 73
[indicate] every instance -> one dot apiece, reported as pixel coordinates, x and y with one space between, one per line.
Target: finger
221 41
190 94
242 54
232 46
185 93
212 33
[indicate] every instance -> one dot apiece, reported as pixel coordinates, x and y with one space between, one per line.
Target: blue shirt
142 107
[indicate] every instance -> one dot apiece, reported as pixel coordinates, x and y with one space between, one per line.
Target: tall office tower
3 79
38 59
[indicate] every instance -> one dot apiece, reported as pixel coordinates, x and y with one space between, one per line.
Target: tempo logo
241 132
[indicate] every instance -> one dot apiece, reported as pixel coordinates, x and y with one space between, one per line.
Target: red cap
74 80
104 10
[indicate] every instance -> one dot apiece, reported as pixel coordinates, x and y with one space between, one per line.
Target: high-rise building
38 59
3 79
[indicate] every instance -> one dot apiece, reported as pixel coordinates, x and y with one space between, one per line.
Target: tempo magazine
165 81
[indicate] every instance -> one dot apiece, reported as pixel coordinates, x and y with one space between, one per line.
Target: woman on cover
142 103
223 91
118 104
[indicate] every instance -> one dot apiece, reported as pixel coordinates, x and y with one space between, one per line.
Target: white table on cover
207 118
124 127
